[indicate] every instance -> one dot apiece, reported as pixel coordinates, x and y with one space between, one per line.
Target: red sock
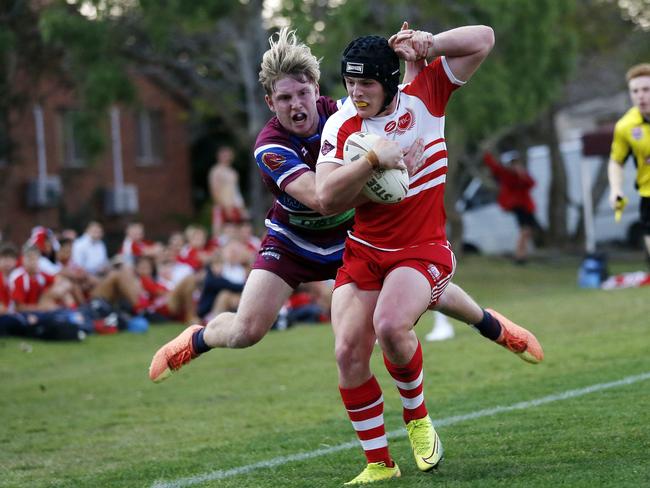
409 381
365 406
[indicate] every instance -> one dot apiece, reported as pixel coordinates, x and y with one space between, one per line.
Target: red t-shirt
27 289
514 186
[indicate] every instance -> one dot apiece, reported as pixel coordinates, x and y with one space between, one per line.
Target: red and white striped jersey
420 218
27 289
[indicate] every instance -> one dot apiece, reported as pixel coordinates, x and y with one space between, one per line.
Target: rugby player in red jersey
397 261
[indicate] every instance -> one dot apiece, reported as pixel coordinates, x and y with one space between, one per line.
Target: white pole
40 152
587 206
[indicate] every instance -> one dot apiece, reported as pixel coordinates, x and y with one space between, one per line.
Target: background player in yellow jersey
632 136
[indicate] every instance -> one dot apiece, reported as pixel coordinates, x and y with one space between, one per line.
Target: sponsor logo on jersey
356 68
637 133
434 271
320 222
326 147
269 254
272 160
405 122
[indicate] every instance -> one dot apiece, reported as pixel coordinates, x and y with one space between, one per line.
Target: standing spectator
8 261
632 135
89 251
223 180
515 185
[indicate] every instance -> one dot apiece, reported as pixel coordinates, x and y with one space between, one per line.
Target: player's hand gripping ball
384 185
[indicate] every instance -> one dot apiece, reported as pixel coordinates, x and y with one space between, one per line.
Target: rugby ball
384 185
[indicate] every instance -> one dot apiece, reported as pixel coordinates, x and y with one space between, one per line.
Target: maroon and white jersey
282 157
420 113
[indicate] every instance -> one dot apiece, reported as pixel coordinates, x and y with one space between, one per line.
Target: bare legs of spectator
119 284
322 293
62 294
263 296
523 241
226 301
181 300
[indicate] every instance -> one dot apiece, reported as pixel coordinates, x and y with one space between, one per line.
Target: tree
207 52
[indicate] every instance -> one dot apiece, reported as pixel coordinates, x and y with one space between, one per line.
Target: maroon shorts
367 267
276 257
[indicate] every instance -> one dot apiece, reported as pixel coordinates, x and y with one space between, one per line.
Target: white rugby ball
385 185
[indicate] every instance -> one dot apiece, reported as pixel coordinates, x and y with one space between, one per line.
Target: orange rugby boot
518 340
173 355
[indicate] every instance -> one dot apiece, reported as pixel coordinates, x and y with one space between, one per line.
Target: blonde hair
637 70
287 56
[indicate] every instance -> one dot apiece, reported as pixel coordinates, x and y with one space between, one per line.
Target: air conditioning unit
44 192
122 200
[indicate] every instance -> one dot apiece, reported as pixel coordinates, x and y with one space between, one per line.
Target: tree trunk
558 200
250 48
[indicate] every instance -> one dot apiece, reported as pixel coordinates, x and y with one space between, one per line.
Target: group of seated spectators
64 286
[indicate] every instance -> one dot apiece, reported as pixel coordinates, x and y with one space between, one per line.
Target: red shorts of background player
222 216
367 267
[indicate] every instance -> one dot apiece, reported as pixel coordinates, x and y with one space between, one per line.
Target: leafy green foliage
524 73
95 64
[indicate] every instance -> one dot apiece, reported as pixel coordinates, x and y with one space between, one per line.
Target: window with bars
149 136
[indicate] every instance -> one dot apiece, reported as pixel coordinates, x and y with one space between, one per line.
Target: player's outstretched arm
464 47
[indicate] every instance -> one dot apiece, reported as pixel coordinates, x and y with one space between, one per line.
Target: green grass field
86 414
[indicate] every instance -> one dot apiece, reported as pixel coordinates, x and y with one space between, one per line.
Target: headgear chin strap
372 57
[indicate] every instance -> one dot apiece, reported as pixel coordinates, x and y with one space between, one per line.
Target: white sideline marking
278 461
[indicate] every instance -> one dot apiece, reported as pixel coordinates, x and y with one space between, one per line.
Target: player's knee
248 332
348 355
390 327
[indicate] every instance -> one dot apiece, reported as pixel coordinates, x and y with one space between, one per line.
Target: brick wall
164 188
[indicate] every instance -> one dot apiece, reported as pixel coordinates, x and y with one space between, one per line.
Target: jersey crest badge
326 148
405 122
637 133
272 160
